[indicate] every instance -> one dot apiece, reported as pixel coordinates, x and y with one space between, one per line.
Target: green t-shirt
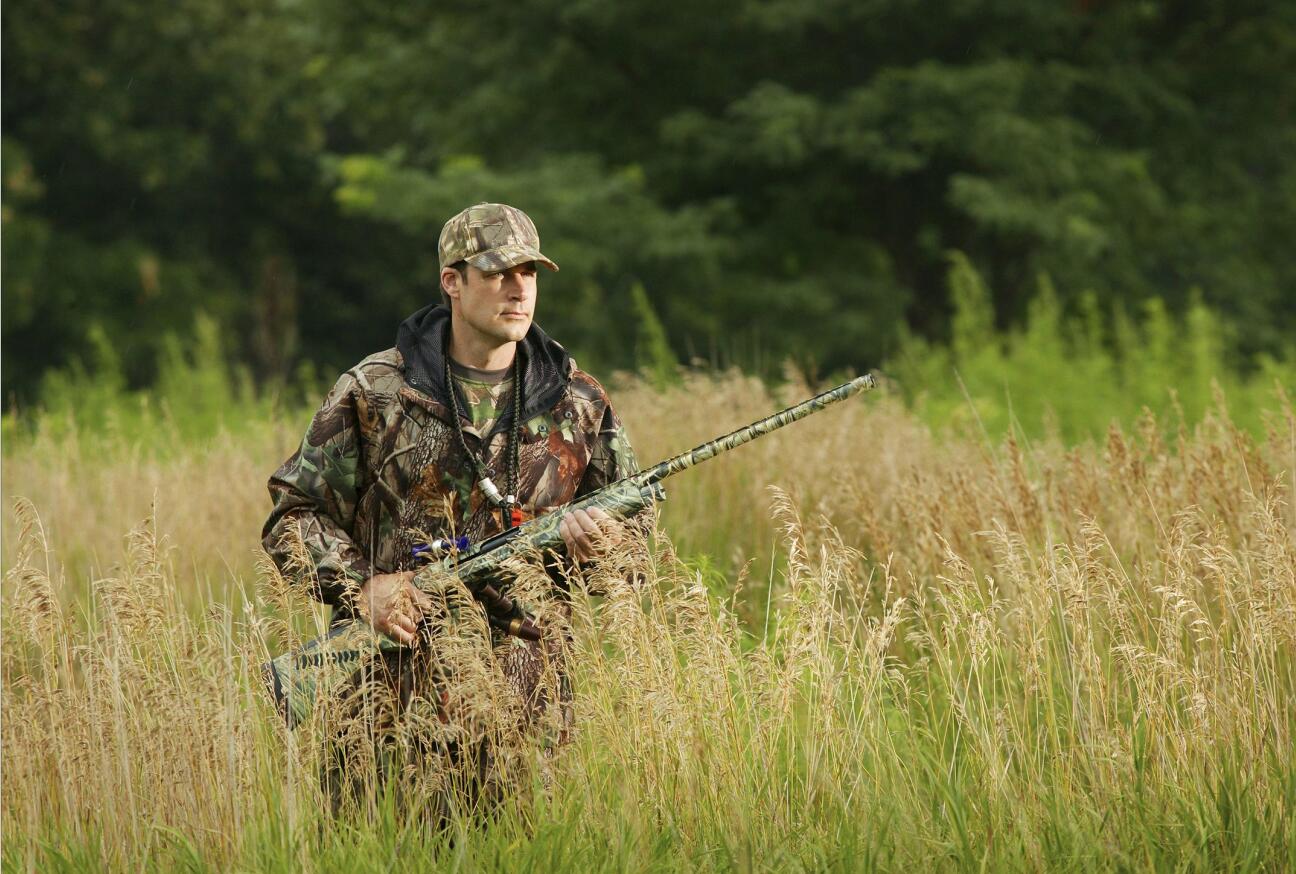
487 394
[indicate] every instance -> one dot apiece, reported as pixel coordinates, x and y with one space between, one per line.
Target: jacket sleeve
611 458
315 494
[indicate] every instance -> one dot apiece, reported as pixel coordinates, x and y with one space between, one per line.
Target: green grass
1075 372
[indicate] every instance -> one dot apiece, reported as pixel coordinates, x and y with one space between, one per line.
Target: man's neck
475 350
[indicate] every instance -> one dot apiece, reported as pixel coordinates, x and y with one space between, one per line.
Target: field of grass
857 644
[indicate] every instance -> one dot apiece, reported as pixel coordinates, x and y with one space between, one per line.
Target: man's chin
514 330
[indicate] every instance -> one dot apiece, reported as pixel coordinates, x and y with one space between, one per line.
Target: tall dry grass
912 651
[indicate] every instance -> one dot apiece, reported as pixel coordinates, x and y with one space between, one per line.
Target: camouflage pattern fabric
491 237
379 471
485 402
360 502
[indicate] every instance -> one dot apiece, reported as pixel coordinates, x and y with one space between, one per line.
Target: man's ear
450 282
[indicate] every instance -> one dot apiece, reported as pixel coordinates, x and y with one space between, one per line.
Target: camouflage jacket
380 469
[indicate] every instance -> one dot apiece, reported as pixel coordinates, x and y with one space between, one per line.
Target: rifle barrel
746 434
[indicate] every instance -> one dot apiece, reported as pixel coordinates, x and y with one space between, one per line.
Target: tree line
764 178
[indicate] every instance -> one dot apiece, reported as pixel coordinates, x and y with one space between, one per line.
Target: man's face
498 306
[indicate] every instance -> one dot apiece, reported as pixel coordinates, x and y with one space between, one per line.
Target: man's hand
588 533
391 604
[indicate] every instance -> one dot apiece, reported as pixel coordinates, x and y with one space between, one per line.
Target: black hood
423 340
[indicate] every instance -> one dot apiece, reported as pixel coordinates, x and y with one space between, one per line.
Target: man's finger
396 631
421 601
609 526
610 530
574 536
587 525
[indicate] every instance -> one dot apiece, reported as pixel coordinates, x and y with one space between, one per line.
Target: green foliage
87 395
161 158
972 326
653 355
1078 372
197 396
596 222
789 192
1068 372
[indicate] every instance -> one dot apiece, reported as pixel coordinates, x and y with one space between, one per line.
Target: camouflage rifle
296 678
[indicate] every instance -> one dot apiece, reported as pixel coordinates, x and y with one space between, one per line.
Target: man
474 421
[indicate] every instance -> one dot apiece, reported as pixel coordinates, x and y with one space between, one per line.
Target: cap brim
505 257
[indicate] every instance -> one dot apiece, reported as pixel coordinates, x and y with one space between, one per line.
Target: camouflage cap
491 237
